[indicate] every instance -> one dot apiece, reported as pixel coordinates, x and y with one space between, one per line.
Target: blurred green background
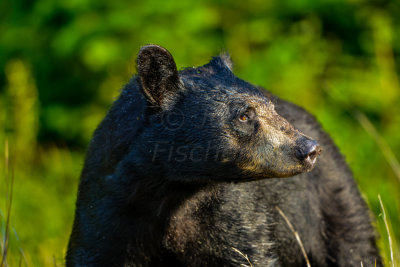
62 63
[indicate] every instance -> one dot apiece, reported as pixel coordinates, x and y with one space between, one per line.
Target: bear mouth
250 172
263 175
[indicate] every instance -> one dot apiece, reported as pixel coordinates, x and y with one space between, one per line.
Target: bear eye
243 118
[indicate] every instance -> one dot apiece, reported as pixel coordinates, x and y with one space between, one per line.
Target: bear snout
307 151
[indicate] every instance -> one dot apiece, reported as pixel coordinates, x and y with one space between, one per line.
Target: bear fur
196 168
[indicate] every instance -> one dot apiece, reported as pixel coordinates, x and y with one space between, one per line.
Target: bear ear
158 74
226 59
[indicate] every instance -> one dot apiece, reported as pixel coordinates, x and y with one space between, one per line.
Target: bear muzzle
307 151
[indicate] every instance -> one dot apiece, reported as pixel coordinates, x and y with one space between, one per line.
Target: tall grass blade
385 148
244 256
7 230
21 251
388 231
9 194
295 234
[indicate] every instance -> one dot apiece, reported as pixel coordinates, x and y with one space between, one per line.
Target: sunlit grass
35 229
389 235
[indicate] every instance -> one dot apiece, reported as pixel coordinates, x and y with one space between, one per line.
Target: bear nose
308 150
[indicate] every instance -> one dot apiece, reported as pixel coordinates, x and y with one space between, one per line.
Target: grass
394 164
29 235
380 141
244 256
392 263
296 234
9 181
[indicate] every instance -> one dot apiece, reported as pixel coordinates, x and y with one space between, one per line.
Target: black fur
166 179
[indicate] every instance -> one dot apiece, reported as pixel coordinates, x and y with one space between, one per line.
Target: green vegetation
63 62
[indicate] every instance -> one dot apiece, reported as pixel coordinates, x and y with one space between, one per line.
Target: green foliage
62 63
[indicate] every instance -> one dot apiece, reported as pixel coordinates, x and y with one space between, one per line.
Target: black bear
188 169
